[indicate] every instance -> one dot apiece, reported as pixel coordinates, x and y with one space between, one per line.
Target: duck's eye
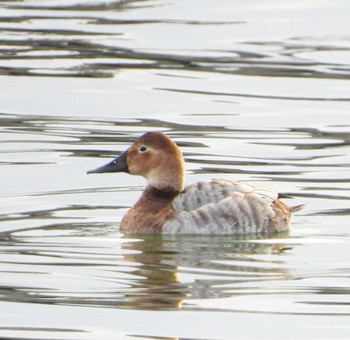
143 148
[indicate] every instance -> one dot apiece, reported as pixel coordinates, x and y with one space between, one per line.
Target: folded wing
198 194
222 207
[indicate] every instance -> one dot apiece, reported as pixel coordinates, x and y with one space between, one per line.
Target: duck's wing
199 194
238 213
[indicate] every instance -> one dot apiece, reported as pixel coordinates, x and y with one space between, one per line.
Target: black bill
118 164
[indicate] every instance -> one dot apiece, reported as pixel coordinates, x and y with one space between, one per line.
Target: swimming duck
219 206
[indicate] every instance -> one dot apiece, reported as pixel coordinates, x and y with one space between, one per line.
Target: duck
217 206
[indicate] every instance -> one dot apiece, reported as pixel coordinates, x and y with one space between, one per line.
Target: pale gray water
251 90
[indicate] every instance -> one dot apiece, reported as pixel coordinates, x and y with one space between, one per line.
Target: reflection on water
95 267
142 274
162 260
258 93
94 42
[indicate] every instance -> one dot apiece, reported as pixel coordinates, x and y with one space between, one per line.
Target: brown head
153 156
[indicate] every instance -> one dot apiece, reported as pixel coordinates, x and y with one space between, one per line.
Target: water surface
251 91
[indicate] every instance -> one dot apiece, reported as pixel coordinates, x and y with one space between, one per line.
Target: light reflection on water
147 273
81 80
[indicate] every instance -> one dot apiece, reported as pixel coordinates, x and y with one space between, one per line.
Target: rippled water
250 90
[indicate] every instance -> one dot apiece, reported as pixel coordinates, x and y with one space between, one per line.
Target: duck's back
227 207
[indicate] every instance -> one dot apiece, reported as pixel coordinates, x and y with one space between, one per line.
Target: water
250 90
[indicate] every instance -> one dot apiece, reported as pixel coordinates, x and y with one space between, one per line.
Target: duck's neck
171 182
169 175
165 194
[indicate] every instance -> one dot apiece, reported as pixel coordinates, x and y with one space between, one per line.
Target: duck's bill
118 164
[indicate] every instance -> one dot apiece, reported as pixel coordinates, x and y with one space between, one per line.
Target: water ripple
256 93
86 46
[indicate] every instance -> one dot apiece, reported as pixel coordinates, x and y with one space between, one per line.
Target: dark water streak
77 44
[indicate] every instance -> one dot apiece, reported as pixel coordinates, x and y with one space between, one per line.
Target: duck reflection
170 271
70 264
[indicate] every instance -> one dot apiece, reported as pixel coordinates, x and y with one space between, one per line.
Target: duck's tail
297 208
